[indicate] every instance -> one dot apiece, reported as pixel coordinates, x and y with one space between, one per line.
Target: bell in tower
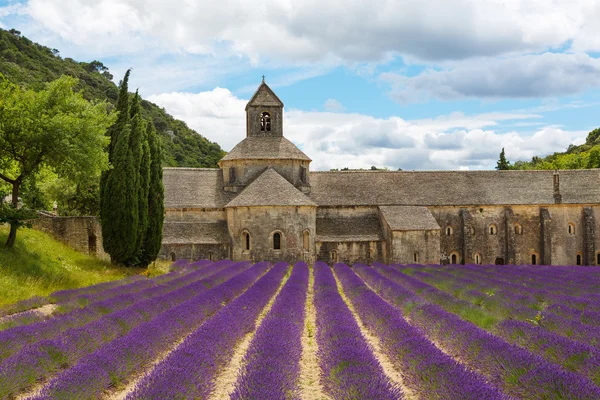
264 113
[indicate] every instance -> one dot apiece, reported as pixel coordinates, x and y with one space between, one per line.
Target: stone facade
263 203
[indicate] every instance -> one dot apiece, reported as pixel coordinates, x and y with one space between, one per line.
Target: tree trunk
12 235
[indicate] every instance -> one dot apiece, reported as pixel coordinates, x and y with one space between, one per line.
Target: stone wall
81 233
247 170
191 251
262 222
422 245
349 253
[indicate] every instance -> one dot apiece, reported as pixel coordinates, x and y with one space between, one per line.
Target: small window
246 240
578 259
303 175
333 256
571 229
369 253
454 259
306 240
477 258
449 231
265 121
598 259
533 259
232 176
493 230
416 257
173 257
210 256
277 241
518 229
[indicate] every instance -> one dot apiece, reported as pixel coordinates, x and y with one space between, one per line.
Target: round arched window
277 241
265 121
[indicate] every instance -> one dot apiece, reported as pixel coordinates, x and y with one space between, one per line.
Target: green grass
39 265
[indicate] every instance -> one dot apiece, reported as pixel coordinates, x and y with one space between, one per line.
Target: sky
411 84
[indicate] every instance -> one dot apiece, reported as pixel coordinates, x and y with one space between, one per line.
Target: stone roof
265 148
264 96
435 188
408 218
194 188
195 233
363 228
270 189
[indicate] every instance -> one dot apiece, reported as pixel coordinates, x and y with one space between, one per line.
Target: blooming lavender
272 363
115 361
189 371
426 370
349 370
515 370
40 359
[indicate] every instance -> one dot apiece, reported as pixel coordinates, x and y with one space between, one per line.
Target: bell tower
264 113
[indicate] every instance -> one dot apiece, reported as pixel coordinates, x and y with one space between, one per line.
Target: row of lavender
517 371
35 352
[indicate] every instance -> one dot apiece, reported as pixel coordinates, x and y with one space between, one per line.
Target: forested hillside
584 156
32 65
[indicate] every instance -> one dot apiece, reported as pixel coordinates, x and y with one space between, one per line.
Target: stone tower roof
265 148
264 96
408 218
270 189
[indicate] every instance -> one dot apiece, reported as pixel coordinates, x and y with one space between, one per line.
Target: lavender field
220 330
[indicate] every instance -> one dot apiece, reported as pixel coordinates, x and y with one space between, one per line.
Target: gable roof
264 96
408 218
436 188
194 188
360 228
270 189
265 148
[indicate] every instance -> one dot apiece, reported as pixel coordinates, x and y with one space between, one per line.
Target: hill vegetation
38 265
32 65
583 156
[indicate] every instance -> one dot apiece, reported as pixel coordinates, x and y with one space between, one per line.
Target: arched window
493 229
173 257
210 256
277 241
598 259
306 240
265 121
477 258
533 259
333 256
246 240
416 257
578 259
518 229
571 228
303 175
454 258
449 231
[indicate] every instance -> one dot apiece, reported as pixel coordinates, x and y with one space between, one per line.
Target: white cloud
332 105
311 30
337 140
527 76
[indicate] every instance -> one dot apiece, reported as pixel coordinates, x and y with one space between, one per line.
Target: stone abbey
264 203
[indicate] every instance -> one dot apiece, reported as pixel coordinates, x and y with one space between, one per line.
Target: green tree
503 163
54 127
156 209
119 203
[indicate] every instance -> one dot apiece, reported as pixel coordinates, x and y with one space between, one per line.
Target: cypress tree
144 183
503 163
156 210
119 203
138 129
123 118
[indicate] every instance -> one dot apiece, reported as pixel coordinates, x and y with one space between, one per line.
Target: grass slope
39 265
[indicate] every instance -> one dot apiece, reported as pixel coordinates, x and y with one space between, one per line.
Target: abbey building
264 203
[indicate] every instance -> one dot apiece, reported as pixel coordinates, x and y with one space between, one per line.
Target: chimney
557 195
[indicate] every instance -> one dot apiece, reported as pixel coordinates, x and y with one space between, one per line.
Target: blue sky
428 84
